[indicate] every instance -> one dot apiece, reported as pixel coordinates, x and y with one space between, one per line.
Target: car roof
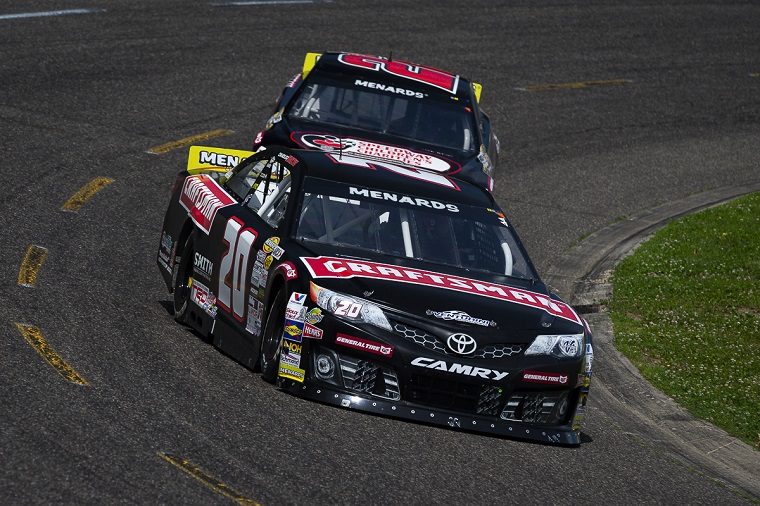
348 169
384 70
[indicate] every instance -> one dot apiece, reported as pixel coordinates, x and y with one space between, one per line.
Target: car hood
450 299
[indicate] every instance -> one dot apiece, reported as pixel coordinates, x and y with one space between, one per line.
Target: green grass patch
686 311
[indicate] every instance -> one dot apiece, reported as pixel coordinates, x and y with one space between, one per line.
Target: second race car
372 106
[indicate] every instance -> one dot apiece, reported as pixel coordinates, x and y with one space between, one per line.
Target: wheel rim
184 283
270 348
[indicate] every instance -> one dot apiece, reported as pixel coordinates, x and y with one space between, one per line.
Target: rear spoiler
209 159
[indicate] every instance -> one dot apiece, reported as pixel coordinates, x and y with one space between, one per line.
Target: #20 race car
383 289
389 111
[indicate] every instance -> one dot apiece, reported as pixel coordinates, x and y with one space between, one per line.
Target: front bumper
561 435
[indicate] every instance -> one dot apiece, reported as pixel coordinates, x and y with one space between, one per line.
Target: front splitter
562 435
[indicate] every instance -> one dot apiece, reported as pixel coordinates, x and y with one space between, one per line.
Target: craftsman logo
467 370
202 197
427 75
332 267
360 344
546 378
389 89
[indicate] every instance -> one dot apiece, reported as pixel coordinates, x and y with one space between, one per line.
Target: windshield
406 226
400 112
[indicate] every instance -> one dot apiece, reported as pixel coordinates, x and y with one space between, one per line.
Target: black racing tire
271 340
182 280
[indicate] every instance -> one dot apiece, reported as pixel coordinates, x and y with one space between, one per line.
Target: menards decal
331 267
202 197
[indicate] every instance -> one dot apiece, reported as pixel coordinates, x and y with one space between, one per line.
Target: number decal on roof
427 75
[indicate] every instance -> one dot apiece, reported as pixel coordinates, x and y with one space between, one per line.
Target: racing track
165 418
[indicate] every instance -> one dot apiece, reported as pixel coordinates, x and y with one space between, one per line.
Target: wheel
183 281
271 341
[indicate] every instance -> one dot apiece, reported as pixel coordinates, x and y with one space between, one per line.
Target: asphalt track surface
85 95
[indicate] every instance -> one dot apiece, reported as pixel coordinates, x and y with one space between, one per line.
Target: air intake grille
536 407
480 399
431 342
367 377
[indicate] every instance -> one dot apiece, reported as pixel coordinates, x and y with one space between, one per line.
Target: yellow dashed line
31 265
85 193
165 148
755 74
34 337
202 476
579 85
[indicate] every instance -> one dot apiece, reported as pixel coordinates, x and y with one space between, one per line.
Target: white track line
49 13
240 3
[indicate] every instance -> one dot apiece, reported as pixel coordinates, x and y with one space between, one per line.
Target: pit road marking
31 265
186 141
85 193
36 340
202 476
579 85
45 14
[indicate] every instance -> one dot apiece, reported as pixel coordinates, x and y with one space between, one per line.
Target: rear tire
271 340
182 281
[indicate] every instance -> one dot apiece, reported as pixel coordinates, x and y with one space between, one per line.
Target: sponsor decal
589 357
261 255
290 372
332 267
200 294
217 159
274 119
426 75
270 244
293 329
294 310
312 332
202 265
467 370
165 251
361 344
289 159
291 359
402 199
259 138
289 269
460 316
204 157
264 278
389 89
268 262
546 378
380 152
253 321
292 347
373 156
294 80
314 316
256 271
501 216
277 252
568 345
202 197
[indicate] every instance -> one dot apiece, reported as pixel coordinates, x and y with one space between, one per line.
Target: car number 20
348 308
239 241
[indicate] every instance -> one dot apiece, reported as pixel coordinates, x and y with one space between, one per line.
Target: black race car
374 288
387 111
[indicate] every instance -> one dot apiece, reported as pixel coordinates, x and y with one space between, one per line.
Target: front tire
271 341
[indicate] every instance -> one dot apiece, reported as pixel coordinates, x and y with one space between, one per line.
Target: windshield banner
332 267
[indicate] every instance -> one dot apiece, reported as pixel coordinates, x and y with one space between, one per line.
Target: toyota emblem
461 344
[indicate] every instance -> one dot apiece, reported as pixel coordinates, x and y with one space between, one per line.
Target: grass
686 311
